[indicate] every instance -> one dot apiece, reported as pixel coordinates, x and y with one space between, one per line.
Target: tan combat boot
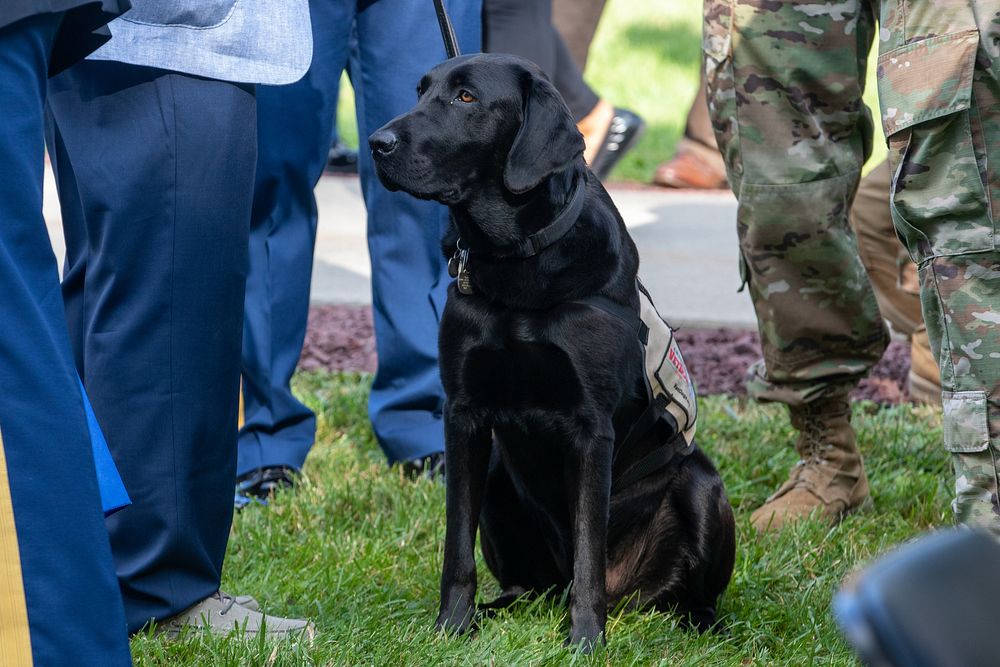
830 477
925 377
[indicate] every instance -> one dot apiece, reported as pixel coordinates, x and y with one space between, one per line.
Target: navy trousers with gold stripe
59 601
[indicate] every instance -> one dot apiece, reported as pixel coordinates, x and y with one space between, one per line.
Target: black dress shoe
263 482
625 129
431 467
341 159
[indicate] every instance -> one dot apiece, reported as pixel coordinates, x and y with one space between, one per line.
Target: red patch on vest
678 363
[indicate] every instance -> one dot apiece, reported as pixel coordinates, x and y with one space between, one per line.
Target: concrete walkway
686 240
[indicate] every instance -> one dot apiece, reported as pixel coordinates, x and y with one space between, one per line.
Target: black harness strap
657 408
656 460
662 456
621 311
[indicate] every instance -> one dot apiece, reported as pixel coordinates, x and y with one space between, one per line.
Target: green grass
646 57
357 548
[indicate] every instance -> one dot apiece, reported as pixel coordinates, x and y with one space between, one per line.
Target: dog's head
486 119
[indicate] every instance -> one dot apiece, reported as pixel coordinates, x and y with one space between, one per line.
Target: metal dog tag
458 267
464 279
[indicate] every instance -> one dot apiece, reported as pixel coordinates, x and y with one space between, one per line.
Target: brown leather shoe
830 477
925 377
689 170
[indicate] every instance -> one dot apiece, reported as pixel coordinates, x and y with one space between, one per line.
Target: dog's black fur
541 390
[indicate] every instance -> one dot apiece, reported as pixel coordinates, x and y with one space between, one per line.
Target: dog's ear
547 140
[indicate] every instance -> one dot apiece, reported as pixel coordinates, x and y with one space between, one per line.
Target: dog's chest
513 363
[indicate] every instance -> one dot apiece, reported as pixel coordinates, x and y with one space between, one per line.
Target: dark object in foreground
542 389
930 603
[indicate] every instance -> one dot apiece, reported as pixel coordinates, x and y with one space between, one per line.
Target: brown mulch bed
341 338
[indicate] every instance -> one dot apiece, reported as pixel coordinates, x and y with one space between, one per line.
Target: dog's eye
465 97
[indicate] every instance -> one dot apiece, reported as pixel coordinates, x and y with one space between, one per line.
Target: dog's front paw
456 618
586 636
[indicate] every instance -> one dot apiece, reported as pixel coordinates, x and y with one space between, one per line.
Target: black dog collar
458 265
552 232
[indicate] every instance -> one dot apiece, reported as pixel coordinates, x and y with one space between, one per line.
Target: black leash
447 32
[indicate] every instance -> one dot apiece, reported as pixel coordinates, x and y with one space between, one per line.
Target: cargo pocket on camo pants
966 436
939 198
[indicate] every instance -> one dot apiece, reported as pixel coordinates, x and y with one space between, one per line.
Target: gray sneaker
221 614
248 601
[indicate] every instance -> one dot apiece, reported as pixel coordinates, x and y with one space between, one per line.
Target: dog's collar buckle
458 267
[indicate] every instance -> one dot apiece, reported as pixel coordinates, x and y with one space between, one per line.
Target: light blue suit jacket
249 41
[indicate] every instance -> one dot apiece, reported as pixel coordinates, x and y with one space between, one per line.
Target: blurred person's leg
524 28
294 123
891 271
576 21
924 380
59 601
943 129
608 132
818 318
894 278
409 272
697 163
568 79
162 167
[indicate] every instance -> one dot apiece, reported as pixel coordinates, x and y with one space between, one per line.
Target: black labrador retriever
541 388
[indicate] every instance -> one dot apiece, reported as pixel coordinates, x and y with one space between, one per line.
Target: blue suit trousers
397 42
155 175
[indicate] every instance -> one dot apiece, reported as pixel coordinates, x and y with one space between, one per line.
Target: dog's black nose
383 142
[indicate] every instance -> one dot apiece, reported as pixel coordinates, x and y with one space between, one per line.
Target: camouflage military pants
784 84
784 94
